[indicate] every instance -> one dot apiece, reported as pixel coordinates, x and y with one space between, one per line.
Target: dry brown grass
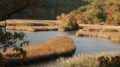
100 31
100 26
86 60
29 22
31 25
54 47
57 45
33 28
114 36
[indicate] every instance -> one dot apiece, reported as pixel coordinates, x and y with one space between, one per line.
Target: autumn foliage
97 12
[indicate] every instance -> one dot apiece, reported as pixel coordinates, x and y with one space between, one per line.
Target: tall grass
33 28
58 46
85 60
31 25
112 34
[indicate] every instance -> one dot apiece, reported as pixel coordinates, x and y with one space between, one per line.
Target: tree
98 12
14 42
10 7
8 39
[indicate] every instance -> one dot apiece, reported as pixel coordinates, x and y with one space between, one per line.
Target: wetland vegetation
90 34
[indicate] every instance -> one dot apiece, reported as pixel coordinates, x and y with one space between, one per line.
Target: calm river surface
85 45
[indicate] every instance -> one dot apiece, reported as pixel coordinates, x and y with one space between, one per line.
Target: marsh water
84 45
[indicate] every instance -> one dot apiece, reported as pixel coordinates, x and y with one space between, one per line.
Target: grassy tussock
103 27
85 60
31 25
16 22
111 34
33 28
115 37
56 46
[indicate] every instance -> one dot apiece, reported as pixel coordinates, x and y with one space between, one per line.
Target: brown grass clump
100 31
31 25
114 36
23 22
110 59
57 46
33 28
109 28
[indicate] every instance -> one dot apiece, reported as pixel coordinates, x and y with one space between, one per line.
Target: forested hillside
95 12
48 9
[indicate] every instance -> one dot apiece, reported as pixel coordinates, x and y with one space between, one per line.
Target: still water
84 45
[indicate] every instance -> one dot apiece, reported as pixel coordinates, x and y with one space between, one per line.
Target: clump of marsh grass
115 37
112 34
53 48
31 25
91 60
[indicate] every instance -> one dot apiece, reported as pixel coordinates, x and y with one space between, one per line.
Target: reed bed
33 28
57 45
99 26
113 35
31 25
53 48
87 60
26 22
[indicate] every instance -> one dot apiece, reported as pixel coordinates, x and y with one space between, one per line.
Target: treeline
48 9
95 12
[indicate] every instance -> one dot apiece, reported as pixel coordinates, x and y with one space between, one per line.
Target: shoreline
92 60
33 28
100 31
53 48
31 25
114 37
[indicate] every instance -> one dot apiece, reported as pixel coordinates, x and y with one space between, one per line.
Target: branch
7 15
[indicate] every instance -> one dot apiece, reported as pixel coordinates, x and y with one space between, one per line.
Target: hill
95 12
48 9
